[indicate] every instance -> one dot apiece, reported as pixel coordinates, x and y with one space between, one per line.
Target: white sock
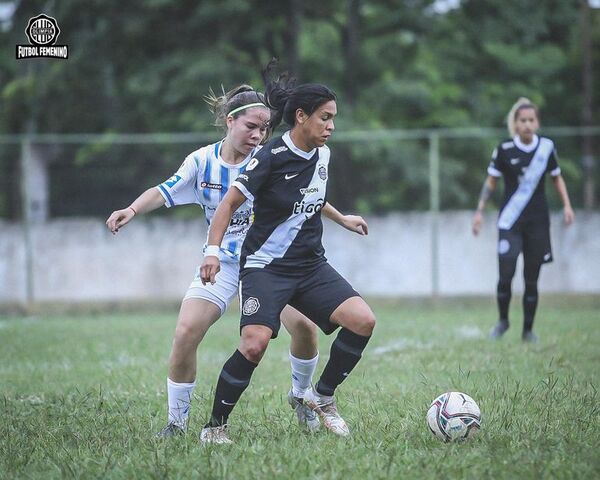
179 397
302 372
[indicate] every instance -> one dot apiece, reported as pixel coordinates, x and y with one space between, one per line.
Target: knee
306 332
254 347
364 323
186 332
368 323
531 287
253 351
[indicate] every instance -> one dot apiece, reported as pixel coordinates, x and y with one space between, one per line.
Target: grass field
81 396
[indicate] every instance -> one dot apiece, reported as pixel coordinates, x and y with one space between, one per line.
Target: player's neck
300 142
527 140
231 155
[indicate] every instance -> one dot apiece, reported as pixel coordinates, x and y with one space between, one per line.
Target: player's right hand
119 219
209 269
476 225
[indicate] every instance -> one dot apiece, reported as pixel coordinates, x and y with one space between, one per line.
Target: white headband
244 107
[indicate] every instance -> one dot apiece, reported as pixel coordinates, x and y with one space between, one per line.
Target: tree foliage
394 63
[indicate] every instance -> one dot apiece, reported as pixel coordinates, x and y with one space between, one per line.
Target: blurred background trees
144 67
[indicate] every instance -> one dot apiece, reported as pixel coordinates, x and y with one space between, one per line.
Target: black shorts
532 237
315 293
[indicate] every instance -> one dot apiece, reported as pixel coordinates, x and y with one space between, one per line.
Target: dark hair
283 97
237 97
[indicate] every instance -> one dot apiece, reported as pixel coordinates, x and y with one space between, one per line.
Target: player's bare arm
561 188
354 223
486 192
150 200
232 200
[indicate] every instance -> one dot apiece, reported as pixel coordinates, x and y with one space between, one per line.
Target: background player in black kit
283 258
524 221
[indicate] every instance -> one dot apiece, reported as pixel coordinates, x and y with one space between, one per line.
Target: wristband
133 209
212 251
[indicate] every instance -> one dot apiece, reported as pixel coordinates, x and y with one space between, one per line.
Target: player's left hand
569 216
357 224
209 269
119 219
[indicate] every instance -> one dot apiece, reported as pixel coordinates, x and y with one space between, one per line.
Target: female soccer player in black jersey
524 221
282 259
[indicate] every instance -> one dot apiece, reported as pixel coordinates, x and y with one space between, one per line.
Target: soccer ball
454 416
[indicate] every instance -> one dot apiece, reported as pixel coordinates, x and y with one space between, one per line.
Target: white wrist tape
212 251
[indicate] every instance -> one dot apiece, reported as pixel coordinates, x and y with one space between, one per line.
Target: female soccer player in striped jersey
524 221
204 178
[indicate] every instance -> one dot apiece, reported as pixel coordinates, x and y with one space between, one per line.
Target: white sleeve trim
240 186
161 190
555 172
494 172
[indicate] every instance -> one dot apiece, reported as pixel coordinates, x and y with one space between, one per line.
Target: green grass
81 397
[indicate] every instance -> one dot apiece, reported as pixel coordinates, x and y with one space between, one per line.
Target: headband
244 107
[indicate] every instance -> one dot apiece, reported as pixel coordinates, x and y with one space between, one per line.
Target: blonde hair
511 119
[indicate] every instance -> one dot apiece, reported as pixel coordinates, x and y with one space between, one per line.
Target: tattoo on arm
486 193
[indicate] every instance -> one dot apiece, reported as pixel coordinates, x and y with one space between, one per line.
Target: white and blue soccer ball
454 416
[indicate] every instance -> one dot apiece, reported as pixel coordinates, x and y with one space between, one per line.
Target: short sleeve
495 167
181 189
254 177
553 167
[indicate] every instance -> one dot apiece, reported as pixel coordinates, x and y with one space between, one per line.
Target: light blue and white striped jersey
204 178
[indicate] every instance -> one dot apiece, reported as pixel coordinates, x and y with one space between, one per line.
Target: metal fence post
26 222
434 209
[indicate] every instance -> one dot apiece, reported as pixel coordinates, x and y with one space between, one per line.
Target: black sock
530 301
506 271
503 296
233 380
346 351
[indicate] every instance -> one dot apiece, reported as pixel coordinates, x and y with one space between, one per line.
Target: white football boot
307 418
214 435
326 408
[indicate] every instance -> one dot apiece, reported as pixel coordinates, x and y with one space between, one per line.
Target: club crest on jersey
251 306
213 186
252 164
323 172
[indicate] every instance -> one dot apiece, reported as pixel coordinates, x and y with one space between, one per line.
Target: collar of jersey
527 148
301 153
243 163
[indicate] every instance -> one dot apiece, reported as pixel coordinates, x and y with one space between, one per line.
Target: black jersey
289 188
523 168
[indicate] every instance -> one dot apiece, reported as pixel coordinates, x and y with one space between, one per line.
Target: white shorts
224 289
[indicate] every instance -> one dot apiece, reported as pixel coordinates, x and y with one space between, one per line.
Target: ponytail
284 98
232 102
